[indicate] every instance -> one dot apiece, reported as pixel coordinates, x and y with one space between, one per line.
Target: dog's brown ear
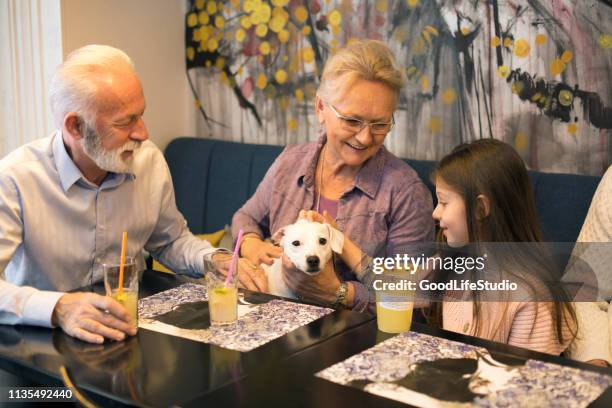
336 239
277 237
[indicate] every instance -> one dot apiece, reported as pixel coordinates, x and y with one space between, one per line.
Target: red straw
234 258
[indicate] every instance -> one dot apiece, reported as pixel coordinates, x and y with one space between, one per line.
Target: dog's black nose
313 262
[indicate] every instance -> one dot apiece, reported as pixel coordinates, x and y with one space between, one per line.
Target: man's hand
258 251
92 317
251 277
321 288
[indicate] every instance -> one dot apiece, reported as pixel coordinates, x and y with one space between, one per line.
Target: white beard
108 160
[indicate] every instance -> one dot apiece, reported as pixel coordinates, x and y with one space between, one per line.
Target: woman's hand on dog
321 288
314 216
598 362
258 251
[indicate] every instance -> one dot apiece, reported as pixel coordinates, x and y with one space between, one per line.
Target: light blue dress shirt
57 228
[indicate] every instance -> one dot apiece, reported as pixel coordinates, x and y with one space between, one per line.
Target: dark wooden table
291 382
154 369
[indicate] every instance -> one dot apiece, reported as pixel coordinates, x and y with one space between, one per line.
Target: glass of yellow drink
394 306
129 300
222 296
127 294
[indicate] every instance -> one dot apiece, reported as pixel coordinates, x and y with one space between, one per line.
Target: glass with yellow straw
121 281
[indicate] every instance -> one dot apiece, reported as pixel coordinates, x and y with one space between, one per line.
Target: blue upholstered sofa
212 179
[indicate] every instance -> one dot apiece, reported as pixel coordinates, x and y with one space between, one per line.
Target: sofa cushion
562 201
189 161
213 178
228 183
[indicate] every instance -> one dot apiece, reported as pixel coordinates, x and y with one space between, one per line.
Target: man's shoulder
33 155
149 158
149 153
149 150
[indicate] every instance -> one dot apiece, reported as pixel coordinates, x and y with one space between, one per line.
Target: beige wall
151 32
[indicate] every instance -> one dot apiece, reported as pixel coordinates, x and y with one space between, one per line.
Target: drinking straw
122 264
234 258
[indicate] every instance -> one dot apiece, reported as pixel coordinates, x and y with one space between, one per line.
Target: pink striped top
524 324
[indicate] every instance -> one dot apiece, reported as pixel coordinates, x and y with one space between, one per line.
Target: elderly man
65 199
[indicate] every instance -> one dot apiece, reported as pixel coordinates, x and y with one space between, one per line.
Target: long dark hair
493 169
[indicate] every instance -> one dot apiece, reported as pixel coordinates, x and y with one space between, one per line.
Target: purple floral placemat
428 371
257 323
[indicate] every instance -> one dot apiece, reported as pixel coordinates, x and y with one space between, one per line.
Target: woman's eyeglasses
355 125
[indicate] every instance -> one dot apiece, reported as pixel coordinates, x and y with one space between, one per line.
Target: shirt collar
309 164
67 170
69 173
368 177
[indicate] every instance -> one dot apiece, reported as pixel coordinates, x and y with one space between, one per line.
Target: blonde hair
370 60
75 84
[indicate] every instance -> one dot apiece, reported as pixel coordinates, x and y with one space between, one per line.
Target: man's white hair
74 87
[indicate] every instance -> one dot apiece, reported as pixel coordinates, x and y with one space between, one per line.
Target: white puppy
309 246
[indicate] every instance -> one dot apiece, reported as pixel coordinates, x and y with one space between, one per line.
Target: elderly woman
347 177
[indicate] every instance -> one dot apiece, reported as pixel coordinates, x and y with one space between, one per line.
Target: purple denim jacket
387 210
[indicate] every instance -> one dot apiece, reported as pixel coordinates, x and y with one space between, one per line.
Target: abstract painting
534 73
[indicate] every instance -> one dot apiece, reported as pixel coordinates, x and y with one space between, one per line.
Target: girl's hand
314 216
258 251
597 362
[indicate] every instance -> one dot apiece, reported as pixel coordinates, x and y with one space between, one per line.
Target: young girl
485 199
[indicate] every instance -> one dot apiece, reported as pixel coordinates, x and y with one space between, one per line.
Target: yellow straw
122 264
